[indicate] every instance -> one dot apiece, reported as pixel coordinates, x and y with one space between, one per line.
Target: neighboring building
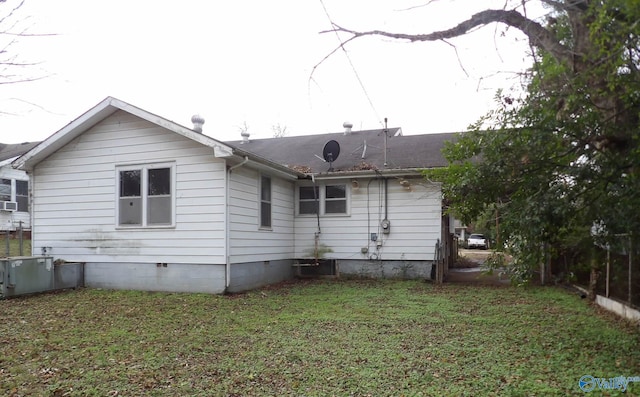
460 230
14 188
149 204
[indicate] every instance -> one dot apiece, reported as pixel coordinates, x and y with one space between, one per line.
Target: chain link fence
17 242
618 275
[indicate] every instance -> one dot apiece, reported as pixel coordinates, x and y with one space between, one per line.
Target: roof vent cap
347 127
245 136
197 121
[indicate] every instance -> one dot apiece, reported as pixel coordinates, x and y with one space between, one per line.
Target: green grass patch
14 246
313 338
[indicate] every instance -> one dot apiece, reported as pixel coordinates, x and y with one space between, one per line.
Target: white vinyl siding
414 216
248 241
75 194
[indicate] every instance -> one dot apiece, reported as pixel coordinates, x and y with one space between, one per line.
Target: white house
149 204
14 189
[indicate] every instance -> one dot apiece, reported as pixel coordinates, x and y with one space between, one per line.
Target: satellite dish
331 152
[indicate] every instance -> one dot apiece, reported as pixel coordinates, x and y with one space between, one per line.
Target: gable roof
98 113
293 157
109 106
12 150
359 150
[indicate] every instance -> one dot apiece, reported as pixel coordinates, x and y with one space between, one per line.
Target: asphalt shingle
359 150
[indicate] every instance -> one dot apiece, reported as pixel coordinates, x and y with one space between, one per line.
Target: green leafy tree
559 164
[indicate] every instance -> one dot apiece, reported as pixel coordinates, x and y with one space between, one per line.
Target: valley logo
589 383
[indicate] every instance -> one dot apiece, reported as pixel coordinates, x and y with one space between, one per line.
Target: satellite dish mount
330 153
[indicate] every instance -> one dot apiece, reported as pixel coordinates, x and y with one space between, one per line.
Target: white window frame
144 185
298 200
11 188
13 192
16 195
322 199
261 201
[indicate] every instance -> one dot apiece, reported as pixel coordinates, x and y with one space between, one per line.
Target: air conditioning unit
8 206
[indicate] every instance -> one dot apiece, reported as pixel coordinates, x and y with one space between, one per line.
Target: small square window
145 196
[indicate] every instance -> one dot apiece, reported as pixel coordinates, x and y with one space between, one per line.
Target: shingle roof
359 150
10 150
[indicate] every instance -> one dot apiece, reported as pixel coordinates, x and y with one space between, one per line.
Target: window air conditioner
8 206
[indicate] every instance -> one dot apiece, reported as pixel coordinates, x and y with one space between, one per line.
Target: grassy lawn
14 246
314 338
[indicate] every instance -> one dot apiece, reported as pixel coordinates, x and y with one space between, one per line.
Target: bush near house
313 338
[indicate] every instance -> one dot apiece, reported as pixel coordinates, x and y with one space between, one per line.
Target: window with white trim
15 190
145 195
327 199
22 195
5 189
335 199
308 200
265 202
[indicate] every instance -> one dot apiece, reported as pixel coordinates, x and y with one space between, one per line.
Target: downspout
386 200
317 233
227 270
31 207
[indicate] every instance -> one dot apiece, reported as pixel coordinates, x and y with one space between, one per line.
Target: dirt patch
478 256
465 263
471 258
478 277
469 269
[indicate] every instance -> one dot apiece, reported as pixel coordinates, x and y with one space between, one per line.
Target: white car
477 241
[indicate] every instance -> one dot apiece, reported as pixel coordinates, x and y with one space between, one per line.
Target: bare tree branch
10 14
537 34
457 56
418 6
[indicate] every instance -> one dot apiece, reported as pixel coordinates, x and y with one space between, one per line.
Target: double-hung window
326 200
335 199
5 189
265 202
22 195
146 195
15 190
308 200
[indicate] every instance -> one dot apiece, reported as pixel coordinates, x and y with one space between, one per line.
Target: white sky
250 61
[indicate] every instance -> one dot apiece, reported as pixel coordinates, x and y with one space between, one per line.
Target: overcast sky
250 62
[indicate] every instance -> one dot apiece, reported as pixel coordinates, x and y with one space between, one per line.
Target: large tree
559 165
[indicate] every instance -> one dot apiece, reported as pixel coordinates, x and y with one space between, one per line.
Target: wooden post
498 246
543 264
630 263
608 271
20 238
593 276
